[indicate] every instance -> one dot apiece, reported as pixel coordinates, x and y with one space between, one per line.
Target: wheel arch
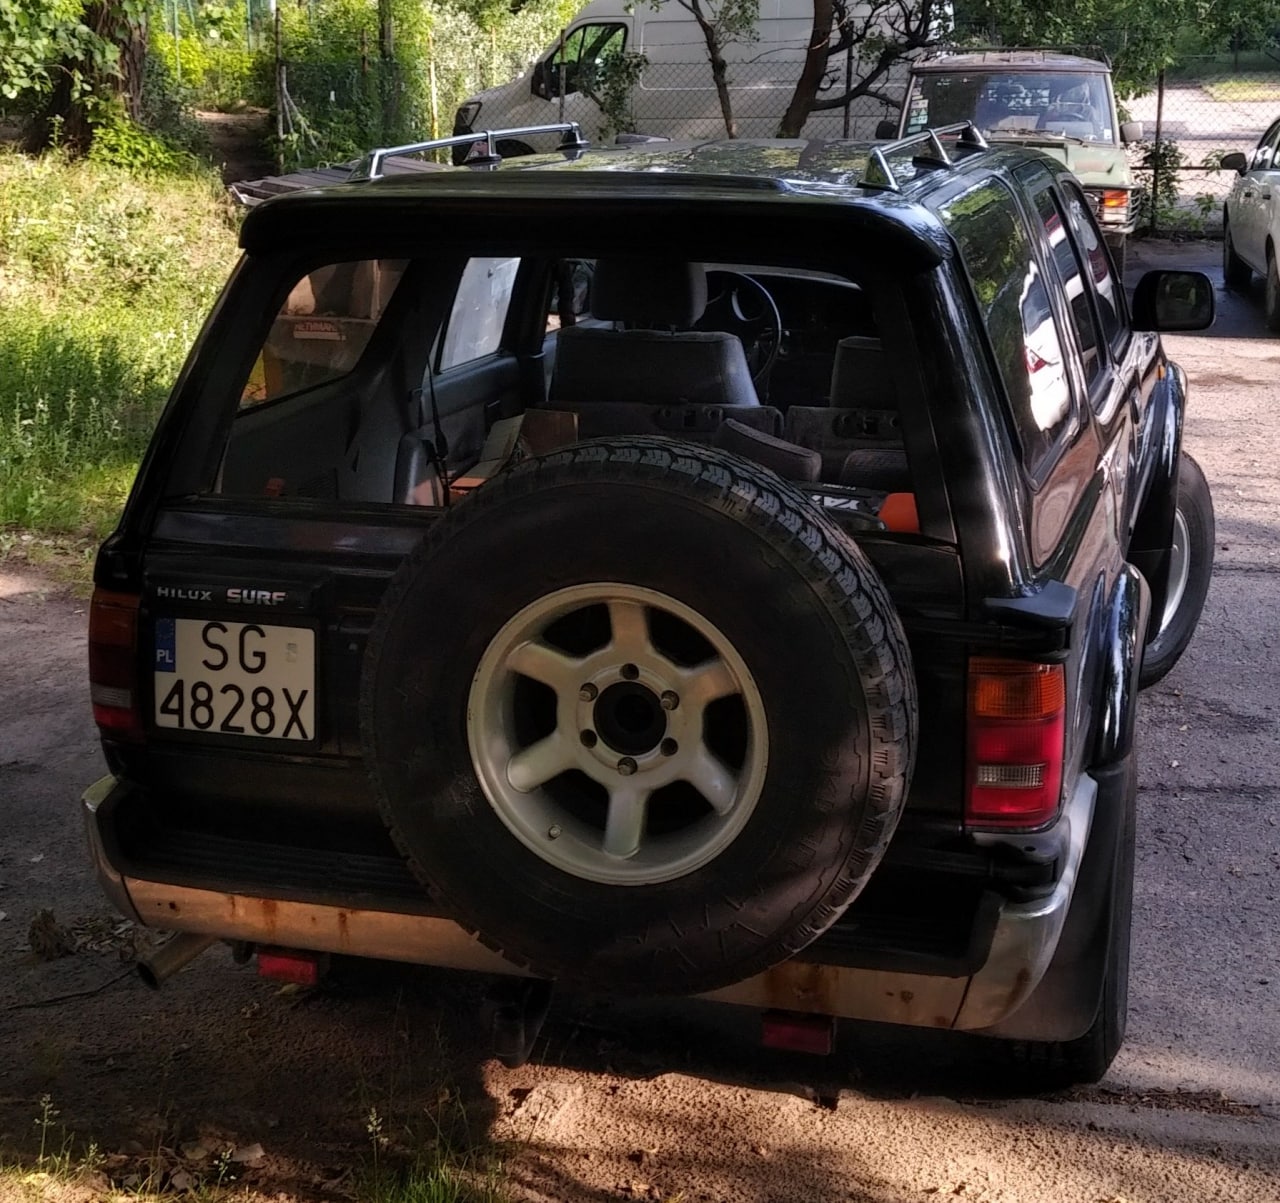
1152 535
1121 638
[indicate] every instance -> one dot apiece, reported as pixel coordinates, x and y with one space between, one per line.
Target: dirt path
675 1101
239 143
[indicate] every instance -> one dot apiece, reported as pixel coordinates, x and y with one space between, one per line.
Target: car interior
779 365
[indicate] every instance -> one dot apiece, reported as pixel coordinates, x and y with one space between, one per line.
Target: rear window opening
410 383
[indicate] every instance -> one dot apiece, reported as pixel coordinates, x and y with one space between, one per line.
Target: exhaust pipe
179 952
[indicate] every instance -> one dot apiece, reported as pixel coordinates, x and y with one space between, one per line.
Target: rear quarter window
1013 299
322 329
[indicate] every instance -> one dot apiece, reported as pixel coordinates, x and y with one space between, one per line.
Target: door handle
1266 196
1248 193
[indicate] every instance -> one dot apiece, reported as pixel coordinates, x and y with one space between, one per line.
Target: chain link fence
1194 113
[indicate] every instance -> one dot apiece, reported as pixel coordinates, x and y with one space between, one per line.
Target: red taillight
113 664
1017 728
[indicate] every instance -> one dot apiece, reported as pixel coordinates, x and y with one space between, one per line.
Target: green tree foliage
36 35
61 60
1140 36
721 23
364 73
877 34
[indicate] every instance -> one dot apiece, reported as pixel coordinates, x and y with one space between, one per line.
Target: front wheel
1272 299
1235 271
1190 567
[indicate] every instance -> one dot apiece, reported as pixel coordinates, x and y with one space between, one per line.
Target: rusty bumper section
1025 939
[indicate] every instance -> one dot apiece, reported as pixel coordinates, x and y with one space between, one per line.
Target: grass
440 1165
104 281
436 1163
1243 87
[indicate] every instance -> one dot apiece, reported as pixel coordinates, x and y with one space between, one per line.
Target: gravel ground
629 1102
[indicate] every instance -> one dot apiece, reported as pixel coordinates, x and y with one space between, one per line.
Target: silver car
1249 220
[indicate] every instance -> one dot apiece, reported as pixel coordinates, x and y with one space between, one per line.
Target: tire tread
853 596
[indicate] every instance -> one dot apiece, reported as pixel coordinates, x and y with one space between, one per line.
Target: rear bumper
1025 937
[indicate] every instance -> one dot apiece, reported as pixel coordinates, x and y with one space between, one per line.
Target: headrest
649 292
859 377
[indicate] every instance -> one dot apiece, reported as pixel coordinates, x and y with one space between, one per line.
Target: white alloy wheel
617 734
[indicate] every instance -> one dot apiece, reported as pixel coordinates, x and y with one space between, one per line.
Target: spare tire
640 715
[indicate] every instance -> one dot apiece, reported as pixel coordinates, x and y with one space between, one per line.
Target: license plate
235 678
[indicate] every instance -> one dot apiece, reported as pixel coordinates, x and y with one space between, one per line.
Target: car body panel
1253 204
217 834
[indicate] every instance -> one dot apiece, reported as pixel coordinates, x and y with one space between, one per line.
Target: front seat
654 358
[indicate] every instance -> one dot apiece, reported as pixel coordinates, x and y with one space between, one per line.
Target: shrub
348 97
104 281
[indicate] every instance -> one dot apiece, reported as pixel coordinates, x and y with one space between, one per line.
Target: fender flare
1152 533
1122 638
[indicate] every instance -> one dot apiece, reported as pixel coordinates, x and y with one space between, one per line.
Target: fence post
848 85
279 95
1157 152
560 73
177 45
431 74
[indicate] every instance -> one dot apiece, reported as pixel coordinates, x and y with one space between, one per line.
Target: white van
675 94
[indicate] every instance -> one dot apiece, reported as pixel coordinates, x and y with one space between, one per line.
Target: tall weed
104 281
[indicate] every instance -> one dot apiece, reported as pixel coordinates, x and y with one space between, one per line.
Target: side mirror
1170 301
1130 131
886 130
1236 162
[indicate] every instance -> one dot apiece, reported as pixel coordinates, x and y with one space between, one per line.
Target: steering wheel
739 304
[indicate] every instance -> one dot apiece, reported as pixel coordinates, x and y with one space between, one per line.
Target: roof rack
1081 50
370 167
968 137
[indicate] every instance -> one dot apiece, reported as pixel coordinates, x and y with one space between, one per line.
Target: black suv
717 569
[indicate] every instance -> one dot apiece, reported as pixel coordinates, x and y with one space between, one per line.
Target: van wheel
1190 569
640 715
510 149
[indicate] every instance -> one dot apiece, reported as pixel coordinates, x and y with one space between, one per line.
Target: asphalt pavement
1205 992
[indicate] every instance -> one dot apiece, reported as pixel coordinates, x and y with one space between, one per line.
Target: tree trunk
815 65
133 61
64 117
719 73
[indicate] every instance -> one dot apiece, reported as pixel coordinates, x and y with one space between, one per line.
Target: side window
322 329
1073 283
1111 307
579 60
1264 153
996 251
479 311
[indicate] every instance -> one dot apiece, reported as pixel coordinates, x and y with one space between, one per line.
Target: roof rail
1082 50
968 137
370 167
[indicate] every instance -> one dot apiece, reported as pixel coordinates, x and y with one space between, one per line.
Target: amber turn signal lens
1015 689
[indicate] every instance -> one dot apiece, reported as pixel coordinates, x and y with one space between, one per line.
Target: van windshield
1012 104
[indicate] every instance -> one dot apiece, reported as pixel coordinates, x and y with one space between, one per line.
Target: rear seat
859 434
699 423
